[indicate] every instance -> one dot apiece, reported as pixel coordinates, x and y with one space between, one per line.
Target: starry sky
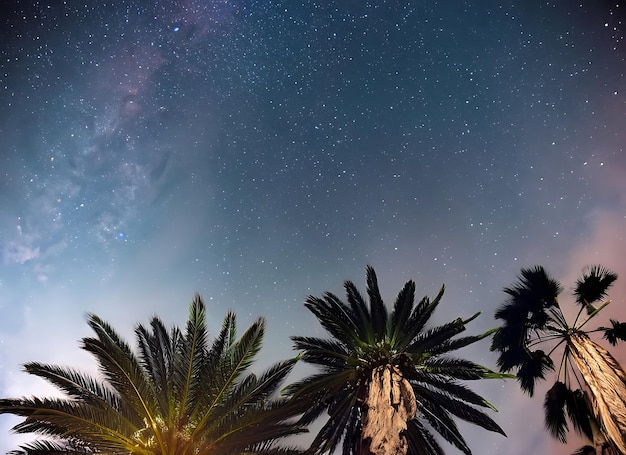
257 152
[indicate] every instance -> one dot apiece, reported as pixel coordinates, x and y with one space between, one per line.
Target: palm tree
385 379
178 395
590 386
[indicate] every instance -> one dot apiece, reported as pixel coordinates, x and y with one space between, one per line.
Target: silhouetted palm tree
385 378
590 387
177 395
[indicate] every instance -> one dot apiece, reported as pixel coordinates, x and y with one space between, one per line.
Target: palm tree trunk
390 405
607 385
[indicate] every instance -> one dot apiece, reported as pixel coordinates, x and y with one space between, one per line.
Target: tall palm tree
385 379
177 395
590 386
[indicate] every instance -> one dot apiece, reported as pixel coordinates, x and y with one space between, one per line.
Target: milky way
258 152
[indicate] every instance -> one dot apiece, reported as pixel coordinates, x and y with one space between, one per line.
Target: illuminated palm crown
179 395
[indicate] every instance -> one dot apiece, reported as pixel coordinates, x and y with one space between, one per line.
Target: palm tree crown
178 395
385 379
590 387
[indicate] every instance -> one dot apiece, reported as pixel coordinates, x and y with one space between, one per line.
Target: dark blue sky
261 151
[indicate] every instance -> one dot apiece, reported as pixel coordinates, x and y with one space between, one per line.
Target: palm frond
362 318
157 359
235 360
616 333
458 343
593 285
378 311
75 384
458 407
192 357
585 450
535 365
457 390
121 368
420 316
554 407
338 319
428 340
421 441
579 413
458 368
43 447
441 421
333 430
536 289
327 353
65 419
402 308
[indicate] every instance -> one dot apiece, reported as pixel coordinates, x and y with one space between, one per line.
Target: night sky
260 151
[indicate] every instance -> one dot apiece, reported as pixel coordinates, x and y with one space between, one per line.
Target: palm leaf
439 418
458 343
585 450
338 320
43 447
119 365
235 360
378 310
426 341
579 413
458 368
459 408
192 357
616 333
421 441
362 317
554 406
422 313
327 353
534 367
593 285
157 359
75 384
401 312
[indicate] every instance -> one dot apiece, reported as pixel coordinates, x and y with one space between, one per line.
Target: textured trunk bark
607 386
390 405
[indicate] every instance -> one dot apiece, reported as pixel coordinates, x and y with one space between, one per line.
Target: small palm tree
385 379
590 387
178 395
